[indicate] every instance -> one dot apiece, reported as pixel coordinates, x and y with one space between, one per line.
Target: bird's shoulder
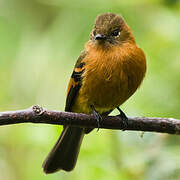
80 61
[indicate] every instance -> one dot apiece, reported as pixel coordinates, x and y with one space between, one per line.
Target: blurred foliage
40 41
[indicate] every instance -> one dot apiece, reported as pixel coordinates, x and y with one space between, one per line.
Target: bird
108 71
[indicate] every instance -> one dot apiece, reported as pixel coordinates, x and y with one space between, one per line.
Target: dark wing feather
65 152
75 81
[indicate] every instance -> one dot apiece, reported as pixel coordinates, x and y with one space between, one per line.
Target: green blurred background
40 41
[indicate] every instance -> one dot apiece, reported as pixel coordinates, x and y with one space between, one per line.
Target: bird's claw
124 119
97 116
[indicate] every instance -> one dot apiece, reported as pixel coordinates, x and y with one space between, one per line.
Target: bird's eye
94 32
115 32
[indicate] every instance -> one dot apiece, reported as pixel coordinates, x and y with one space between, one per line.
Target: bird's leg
97 116
124 118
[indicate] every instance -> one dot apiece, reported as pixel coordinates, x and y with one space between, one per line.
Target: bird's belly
103 92
107 93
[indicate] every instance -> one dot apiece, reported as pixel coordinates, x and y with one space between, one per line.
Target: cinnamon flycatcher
106 74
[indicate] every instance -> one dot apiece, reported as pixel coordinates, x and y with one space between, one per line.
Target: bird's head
110 29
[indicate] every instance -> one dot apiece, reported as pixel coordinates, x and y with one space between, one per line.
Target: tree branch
37 114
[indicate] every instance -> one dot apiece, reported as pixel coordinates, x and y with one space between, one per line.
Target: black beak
99 37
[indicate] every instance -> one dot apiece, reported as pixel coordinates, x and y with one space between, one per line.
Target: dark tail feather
65 152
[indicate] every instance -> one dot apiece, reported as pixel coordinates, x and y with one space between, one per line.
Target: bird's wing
75 81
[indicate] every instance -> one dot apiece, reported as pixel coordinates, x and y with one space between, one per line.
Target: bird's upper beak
99 37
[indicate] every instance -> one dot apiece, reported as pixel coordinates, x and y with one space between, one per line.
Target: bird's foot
97 116
124 119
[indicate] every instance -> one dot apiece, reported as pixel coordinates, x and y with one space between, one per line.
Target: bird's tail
65 152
